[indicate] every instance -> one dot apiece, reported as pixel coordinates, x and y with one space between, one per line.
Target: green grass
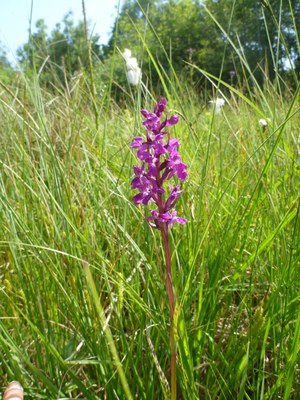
83 307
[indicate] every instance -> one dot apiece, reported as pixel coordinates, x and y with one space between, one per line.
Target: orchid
160 162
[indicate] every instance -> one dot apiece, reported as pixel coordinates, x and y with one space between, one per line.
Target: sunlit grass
65 202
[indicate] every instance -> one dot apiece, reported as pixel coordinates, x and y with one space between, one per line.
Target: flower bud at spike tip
160 162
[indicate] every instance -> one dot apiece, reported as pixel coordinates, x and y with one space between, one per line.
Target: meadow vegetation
83 306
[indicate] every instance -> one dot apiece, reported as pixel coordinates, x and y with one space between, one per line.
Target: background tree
7 73
258 30
60 54
189 30
174 32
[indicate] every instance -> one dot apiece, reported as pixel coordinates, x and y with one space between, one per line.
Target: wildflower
168 217
160 162
218 104
190 52
134 72
160 159
263 123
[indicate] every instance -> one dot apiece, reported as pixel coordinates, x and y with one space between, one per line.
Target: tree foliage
60 54
6 71
213 34
218 36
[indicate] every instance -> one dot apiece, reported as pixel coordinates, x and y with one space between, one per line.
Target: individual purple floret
160 162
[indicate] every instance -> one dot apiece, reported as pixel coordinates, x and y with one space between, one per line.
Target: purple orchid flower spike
160 162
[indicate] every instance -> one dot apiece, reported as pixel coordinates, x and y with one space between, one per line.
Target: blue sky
15 17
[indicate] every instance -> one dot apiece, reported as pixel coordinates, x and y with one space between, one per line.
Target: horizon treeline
175 35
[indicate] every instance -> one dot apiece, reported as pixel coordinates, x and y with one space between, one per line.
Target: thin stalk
172 302
90 64
108 334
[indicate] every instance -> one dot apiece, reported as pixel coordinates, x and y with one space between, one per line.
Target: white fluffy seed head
217 104
262 122
126 54
134 72
134 76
